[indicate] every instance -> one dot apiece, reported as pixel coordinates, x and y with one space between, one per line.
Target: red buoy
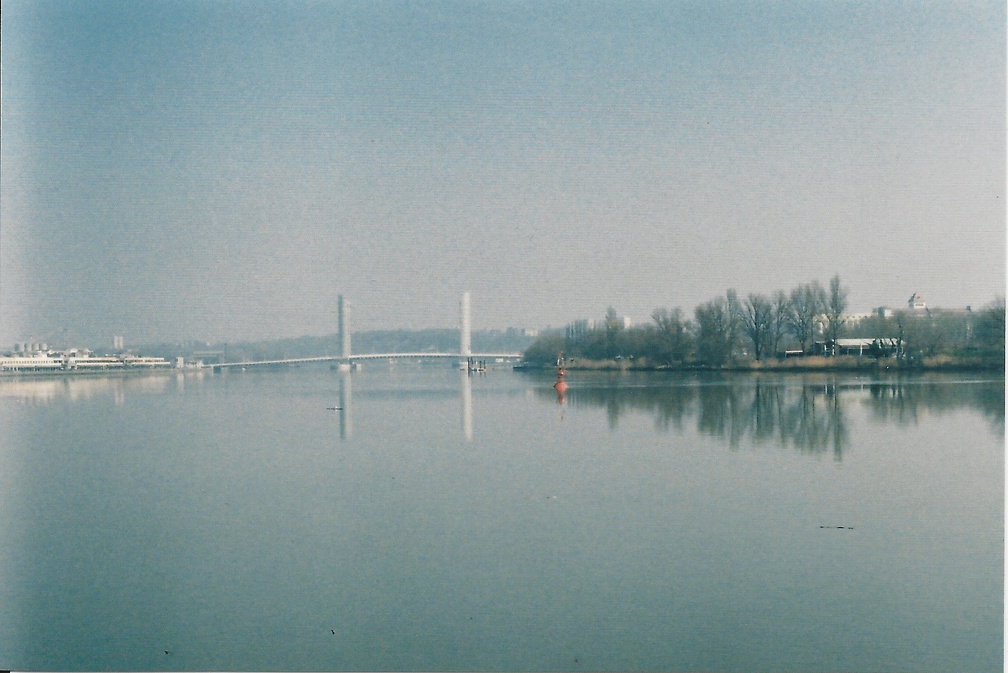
561 384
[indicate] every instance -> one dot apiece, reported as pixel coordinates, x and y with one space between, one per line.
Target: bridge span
464 356
372 356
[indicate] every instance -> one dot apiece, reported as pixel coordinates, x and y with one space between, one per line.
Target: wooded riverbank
843 363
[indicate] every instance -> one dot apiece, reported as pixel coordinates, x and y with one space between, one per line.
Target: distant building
859 347
30 347
579 329
75 359
30 363
916 306
208 357
855 318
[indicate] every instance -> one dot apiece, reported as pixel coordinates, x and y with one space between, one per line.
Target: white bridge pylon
346 357
465 327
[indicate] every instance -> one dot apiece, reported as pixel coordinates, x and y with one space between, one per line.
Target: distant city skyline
223 171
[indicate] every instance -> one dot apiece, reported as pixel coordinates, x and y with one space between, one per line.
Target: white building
30 363
76 359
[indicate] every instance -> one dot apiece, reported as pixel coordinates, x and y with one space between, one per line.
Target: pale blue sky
223 170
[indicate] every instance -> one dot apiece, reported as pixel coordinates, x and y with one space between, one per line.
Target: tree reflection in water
807 417
808 414
905 401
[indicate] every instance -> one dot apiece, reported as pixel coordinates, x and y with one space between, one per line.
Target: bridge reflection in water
345 407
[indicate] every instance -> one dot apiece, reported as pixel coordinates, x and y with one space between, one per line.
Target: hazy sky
223 170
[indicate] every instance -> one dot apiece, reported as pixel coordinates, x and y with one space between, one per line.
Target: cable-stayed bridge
346 359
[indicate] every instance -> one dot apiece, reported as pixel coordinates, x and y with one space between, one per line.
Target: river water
415 518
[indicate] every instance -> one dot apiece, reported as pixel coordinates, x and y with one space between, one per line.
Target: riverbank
843 363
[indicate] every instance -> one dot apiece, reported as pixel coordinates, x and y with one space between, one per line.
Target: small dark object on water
334 408
333 631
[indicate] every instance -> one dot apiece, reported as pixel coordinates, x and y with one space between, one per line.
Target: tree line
810 319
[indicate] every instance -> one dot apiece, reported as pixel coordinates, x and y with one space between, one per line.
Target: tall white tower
465 327
344 326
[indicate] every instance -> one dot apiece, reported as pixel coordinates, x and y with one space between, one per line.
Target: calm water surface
440 521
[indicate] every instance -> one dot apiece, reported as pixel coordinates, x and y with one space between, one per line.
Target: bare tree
734 314
807 301
757 320
613 328
612 321
673 334
990 327
781 311
836 304
713 331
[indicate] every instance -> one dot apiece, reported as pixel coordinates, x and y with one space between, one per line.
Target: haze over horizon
223 170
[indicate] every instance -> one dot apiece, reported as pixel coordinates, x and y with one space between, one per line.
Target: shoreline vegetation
808 329
812 363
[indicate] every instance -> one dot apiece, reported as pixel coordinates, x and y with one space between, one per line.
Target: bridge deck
372 356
